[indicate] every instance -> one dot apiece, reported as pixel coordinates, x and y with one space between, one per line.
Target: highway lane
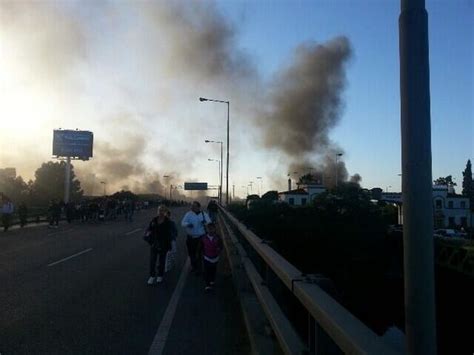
81 289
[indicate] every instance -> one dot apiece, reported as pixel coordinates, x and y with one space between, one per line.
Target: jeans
209 272
193 245
161 256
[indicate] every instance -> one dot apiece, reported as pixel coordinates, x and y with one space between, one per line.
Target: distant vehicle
395 228
449 233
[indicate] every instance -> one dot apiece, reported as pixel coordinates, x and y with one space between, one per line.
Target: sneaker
212 283
208 288
151 280
159 279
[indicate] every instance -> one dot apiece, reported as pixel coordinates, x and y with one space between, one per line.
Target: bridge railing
304 318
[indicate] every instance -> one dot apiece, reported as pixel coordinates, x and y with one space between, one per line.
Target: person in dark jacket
159 235
54 213
23 214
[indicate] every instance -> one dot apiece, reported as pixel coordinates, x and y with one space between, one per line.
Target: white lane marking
133 231
159 342
70 257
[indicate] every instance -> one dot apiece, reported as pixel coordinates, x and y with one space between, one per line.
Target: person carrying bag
195 222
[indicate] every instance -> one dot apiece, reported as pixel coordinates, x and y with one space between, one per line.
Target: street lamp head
202 99
207 141
339 154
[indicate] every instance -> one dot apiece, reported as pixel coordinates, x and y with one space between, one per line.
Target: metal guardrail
330 318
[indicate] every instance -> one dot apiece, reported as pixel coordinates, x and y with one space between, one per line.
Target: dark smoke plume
305 104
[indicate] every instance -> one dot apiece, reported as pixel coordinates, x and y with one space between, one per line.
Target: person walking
54 213
23 214
171 255
159 236
195 221
211 245
212 209
7 212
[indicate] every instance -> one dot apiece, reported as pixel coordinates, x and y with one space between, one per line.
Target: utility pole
67 180
417 189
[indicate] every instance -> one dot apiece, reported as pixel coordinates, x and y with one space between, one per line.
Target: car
449 233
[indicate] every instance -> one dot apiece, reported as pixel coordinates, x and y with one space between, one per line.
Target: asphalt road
81 289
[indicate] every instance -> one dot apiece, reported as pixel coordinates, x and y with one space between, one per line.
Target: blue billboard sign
74 144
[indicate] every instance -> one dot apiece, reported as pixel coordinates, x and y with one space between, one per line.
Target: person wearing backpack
159 235
195 221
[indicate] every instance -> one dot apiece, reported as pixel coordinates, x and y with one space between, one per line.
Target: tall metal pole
67 180
222 169
416 179
227 172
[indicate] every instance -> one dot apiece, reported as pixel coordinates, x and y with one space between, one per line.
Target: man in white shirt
195 222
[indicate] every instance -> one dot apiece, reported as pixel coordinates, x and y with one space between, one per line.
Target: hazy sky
132 72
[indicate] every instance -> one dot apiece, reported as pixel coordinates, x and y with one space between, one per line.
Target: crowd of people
203 243
94 211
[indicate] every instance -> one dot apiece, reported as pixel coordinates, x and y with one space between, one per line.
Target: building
449 209
305 193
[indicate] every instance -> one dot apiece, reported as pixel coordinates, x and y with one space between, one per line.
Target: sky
132 73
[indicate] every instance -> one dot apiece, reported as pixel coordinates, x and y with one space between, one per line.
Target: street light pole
337 155
228 128
260 180
221 169
218 175
171 186
103 183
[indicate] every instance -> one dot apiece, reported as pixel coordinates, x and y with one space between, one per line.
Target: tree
14 188
49 183
447 181
468 183
270 195
310 179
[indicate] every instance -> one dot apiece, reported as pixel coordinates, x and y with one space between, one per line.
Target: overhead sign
195 185
74 144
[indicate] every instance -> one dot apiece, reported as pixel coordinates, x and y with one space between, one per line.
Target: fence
303 316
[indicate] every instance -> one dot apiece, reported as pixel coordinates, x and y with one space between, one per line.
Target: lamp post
171 186
227 160
337 156
220 184
261 183
251 186
219 176
104 183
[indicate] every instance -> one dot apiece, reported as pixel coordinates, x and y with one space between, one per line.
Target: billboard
74 144
195 185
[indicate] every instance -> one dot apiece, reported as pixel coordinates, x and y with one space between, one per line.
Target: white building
302 195
449 210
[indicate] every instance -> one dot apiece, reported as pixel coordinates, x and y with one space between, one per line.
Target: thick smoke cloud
202 45
305 104
74 55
